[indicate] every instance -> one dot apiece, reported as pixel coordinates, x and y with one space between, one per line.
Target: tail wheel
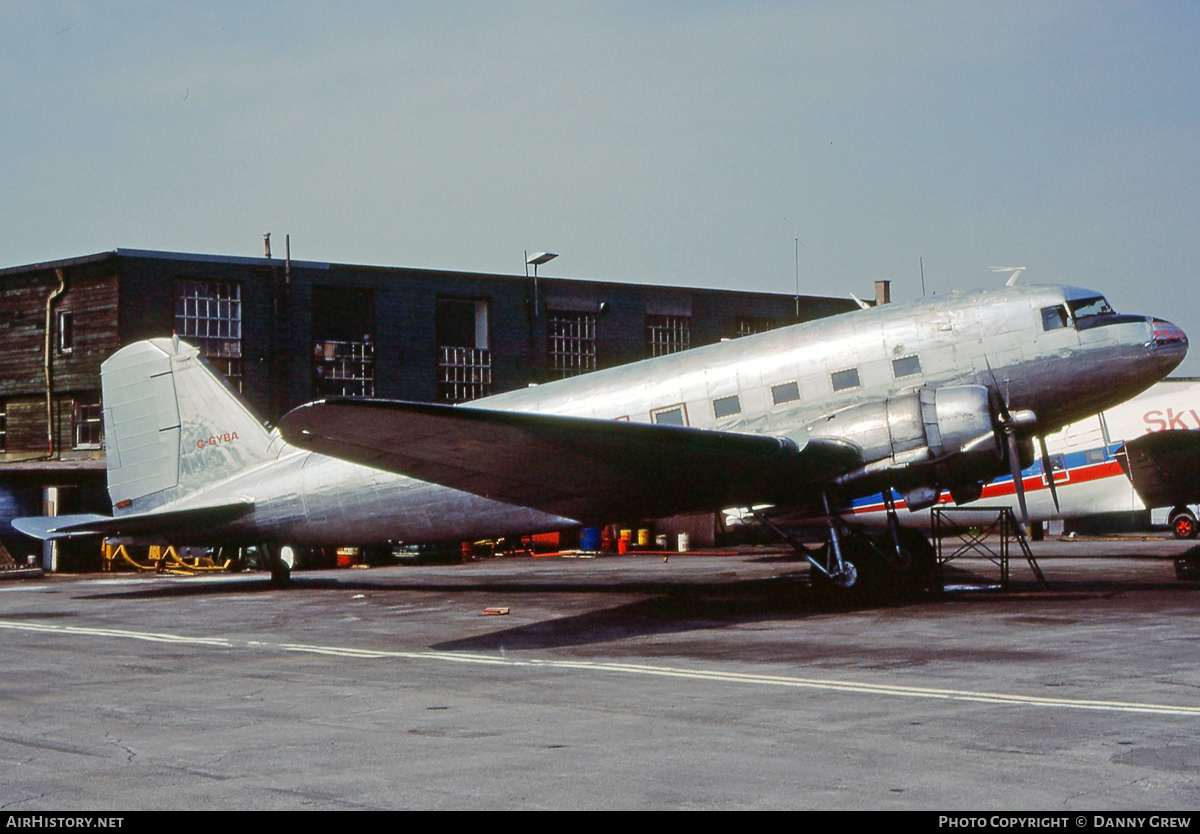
1183 523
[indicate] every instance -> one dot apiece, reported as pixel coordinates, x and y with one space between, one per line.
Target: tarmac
640 681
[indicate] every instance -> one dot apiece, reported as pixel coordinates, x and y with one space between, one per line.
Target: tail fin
172 426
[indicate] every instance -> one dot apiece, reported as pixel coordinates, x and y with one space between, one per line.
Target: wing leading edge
581 468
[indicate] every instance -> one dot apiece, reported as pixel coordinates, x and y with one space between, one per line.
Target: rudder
172 426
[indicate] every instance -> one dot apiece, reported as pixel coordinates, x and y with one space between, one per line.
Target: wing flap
586 469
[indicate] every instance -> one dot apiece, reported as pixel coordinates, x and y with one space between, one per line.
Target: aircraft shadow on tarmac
673 607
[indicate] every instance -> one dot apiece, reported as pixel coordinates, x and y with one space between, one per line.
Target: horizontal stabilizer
581 468
169 523
1164 467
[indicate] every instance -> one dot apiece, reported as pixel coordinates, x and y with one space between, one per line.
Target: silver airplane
945 392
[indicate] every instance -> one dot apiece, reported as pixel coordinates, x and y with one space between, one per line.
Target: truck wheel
1183 523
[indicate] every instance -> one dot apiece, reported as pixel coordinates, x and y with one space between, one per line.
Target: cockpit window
1086 308
1054 318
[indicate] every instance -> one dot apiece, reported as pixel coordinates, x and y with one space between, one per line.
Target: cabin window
464 365
87 423
845 379
1054 318
727 406
787 392
208 314
570 343
66 331
1094 456
676 415
667 334
906 366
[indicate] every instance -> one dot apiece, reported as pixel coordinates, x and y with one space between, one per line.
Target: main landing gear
281 558
858 568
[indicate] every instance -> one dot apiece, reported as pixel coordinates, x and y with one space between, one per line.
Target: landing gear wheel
847 578
1183 523
282 558
863 575
915 570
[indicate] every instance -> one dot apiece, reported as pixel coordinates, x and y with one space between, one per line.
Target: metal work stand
962 532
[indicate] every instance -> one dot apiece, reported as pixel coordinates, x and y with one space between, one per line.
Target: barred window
344 369
463 374
464 363
208 314
570 343
667 334
749 325
87 423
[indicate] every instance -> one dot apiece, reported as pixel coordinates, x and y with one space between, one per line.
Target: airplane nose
1168 342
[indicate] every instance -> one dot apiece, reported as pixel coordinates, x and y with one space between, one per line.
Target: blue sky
673 143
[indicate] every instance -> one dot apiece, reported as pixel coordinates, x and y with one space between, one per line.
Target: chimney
267 244
883 292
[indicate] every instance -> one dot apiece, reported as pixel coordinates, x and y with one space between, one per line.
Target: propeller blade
1049 471
1014 461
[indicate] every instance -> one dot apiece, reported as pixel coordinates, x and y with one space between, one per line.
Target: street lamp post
535 260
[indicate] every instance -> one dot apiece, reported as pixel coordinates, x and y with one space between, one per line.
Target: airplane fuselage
785 382
912 396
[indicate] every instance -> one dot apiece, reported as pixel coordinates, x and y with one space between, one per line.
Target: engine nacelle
926 425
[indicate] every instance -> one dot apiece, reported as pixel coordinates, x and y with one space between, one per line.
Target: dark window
1054 318
667 334
88 423
785 393
343 327
845 379
464 369
906 366
727 406
208 314
570 343
673 416
66 331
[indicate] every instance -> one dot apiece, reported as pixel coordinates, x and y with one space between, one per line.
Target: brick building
286 332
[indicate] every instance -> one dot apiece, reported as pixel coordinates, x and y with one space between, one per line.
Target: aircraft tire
920 574
281 558
872 583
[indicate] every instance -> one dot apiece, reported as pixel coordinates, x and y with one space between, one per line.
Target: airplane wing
586 469
171 522
1164 467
